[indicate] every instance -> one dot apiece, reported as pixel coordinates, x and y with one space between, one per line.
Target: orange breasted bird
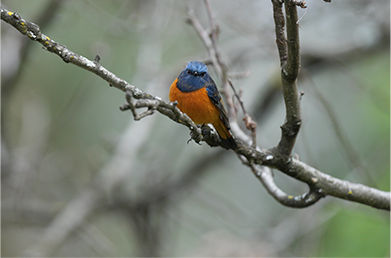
198 97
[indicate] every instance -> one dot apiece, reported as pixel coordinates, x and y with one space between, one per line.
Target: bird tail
227 140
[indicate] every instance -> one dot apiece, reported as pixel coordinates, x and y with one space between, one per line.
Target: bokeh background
81 178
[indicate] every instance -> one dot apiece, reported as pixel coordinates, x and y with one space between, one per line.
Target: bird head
194 77
196 68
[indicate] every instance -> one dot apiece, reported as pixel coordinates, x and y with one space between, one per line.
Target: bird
197 95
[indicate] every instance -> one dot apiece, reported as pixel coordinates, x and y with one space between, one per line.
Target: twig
151 106
250 123
299 3
214 32
264 174
306 10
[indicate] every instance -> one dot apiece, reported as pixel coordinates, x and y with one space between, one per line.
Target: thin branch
279 21
328 185
250 123
289 52
215 30
299 3
150 104
264 174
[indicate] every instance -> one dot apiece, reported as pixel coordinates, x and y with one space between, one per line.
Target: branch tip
301 94
301 4
124 107
97 59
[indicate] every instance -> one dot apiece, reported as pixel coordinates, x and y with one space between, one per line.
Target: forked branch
320 184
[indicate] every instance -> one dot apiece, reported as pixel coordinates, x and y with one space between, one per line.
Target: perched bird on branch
198 97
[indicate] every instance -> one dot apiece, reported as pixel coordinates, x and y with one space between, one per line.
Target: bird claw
210 138
194 138
191 139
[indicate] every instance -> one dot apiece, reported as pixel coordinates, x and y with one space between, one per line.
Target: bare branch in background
357 163
16 58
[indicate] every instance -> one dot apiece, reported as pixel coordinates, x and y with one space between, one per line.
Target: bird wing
215 97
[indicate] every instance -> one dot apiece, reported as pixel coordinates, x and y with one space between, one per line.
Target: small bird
198 97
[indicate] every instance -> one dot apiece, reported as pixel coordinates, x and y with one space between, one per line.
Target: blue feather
194 77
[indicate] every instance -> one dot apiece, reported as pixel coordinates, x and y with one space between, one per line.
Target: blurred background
81 178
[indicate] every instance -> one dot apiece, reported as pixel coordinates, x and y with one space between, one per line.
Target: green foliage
364 232
356 233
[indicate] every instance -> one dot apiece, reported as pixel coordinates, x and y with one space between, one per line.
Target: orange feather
197 105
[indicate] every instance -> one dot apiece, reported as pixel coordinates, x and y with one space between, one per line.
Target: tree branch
32 30
328 185
264 174
320 184
289 51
